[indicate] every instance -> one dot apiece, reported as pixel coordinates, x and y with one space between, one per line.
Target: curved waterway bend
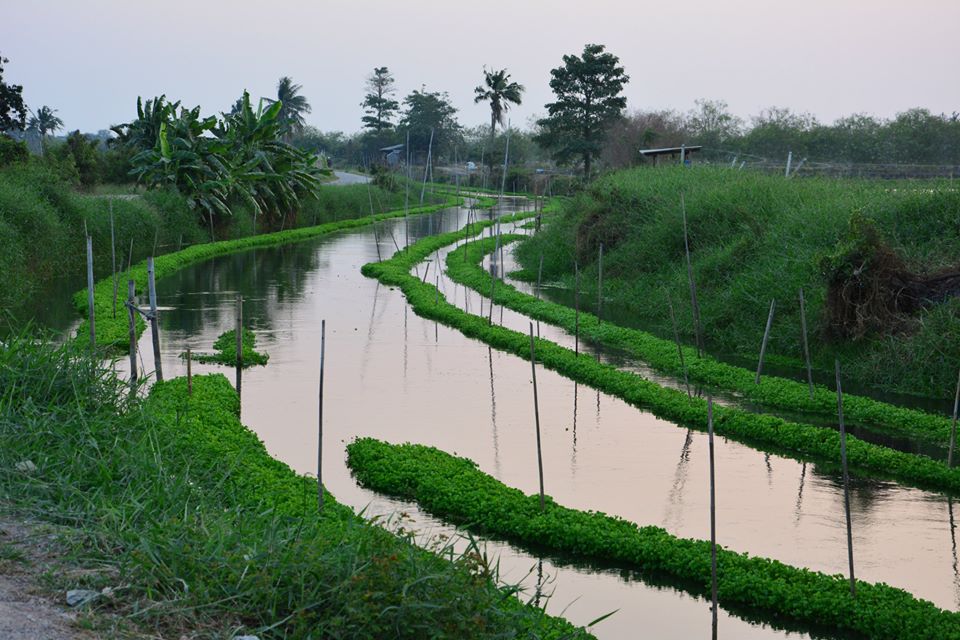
395 376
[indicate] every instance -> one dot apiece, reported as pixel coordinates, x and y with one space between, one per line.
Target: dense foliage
455 489
13 112
753 238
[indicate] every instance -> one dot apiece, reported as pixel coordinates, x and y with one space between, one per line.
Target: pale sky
91 59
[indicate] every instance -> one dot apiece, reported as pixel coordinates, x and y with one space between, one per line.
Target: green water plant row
455 489
225 350
774 392
800 441
113 332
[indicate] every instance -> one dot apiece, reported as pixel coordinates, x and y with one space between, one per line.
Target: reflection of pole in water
953 549
766 461
573 449
675 496
366 347
803 477
493 415
538 592
405 307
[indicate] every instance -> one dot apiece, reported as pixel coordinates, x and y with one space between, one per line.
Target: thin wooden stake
131 301
323 343
763 345
676 337
536 413
539 280
113 259
806 347
694 307
189 372
600 286
713 518
90 312
130 256
846 479
576 308
154 323
953 427
239 339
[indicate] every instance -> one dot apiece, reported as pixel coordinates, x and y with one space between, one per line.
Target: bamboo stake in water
536 413
539 280
113 259
154 321
763 345
189 372
323 341
806 347
694 307
713 519
239 340
131 300
846 479
426 169
600 286
676 337
406 199
953 427
90 311
576 308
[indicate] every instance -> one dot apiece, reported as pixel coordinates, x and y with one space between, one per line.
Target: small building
678 155
390 156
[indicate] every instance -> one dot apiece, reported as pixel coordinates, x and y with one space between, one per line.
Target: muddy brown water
398 377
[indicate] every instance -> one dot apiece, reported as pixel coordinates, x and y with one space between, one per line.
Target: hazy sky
91 59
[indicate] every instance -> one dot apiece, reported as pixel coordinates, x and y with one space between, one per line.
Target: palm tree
294 105
44 121
500 92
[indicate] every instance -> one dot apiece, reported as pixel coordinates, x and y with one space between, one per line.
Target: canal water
398 377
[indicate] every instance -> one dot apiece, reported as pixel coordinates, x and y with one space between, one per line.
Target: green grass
455 489
225 350
752 238
114 332
771 433
179 508
661 354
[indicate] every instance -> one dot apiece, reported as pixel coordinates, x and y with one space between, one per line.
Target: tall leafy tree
377 103
293 105
426 111
13 112
499 92
588 91
44 121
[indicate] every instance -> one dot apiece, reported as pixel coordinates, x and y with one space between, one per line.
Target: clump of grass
179 509
226 350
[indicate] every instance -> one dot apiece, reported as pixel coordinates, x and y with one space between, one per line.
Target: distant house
677 155
390 156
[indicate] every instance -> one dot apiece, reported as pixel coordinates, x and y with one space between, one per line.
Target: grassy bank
770 433
456 490
753 238
178 509
661 354
114 332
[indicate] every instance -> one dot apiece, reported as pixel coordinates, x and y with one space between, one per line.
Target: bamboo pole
536 413
713 519
131 301
90 311
600 286
694 307
154 321
806 347
953 427
539 280
323 341
423 190
846 479
576 308
189 372
130 256
676 337
763 345
113 259
406 200
238 330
